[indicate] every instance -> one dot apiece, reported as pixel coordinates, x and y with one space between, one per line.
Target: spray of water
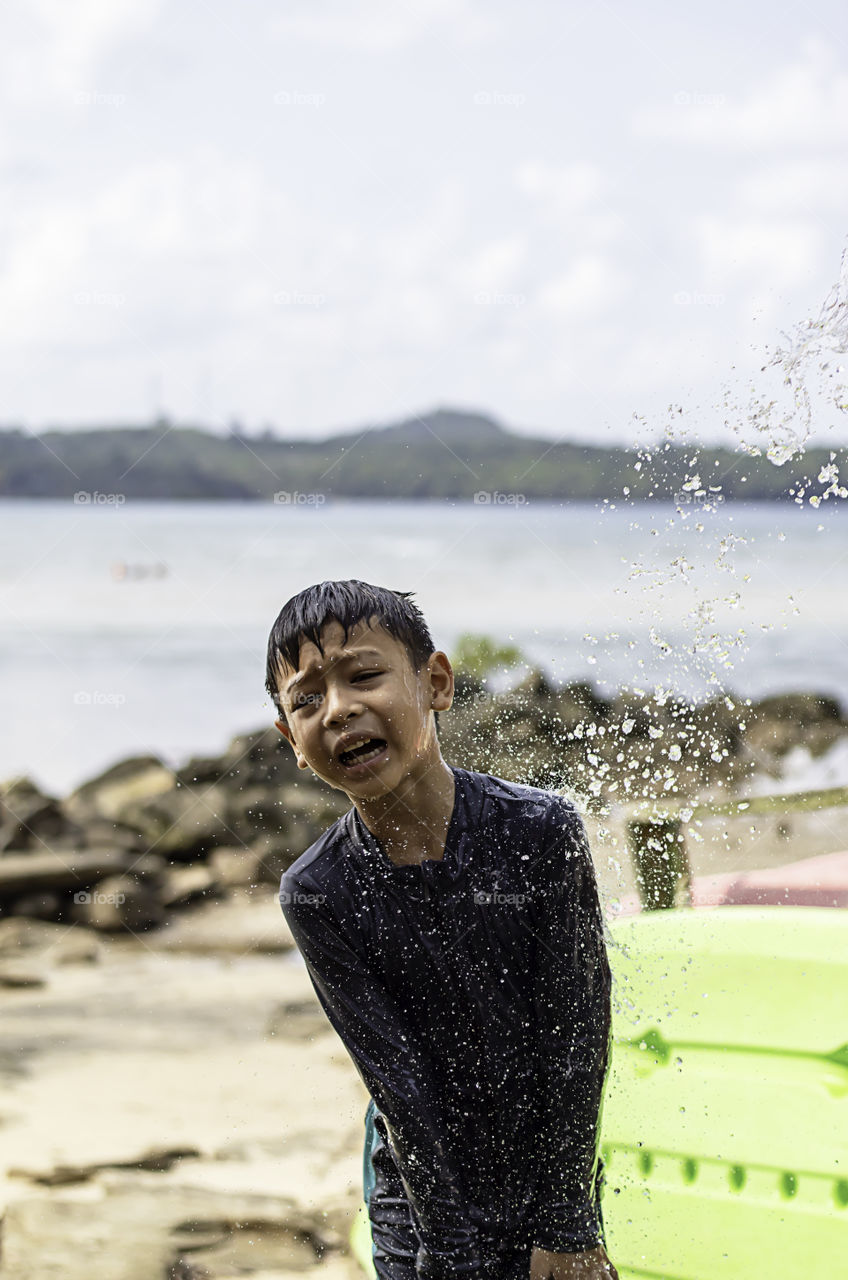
801 390
806 367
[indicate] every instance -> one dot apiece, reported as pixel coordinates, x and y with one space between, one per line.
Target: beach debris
155 1160
47 943
139 1228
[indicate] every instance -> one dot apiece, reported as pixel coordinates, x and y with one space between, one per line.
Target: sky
584 219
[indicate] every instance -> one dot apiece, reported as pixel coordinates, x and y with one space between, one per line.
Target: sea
132 628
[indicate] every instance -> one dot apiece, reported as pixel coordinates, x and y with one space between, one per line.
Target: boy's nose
339 707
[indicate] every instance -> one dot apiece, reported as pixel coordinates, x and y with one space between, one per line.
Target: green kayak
725 1125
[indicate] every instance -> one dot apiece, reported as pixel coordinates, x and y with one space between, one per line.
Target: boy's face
360 715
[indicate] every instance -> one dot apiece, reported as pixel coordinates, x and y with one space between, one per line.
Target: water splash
768 420
808 365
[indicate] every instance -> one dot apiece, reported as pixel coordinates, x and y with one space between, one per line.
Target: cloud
566 189
810 186
54 48
589 287
382 26
804 104
745 252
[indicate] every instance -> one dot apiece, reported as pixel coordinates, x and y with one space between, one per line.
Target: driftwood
71 869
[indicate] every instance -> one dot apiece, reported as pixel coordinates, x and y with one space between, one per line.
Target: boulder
783 721
47 905
128 783
30 819
184 823
235 867
119 902
184 885
262 758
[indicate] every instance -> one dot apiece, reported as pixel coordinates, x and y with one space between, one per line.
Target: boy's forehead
362 640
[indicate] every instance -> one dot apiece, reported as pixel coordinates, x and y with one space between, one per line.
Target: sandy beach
221 1063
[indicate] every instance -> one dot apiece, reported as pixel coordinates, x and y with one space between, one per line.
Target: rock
55 943
235 867
235 927
119 902
580 699
183 824
201 771
105 833
783 721
38 906
127 783
15 974
29 819
182 885
262 758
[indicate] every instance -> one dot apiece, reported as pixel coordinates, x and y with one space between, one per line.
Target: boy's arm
400 1078
572 1002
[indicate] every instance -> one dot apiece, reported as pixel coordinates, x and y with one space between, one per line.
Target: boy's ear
441 680
289 737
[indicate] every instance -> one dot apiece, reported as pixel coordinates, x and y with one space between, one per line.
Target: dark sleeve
571 996
400 1078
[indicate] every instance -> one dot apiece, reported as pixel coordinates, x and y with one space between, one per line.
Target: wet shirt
473 996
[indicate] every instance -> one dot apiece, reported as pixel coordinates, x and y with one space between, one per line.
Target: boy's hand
592 1265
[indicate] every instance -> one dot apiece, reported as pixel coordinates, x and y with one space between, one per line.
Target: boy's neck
412 822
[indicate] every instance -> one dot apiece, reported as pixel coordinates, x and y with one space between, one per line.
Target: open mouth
364 751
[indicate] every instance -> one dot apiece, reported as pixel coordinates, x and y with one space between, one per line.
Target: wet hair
347 602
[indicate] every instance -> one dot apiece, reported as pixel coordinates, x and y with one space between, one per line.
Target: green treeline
445 454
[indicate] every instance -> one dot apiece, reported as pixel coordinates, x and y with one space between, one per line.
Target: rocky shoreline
134 847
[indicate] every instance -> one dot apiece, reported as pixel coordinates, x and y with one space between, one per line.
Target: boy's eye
365 675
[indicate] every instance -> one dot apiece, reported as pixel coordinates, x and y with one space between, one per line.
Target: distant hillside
444 454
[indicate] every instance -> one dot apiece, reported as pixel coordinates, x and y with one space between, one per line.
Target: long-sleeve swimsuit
473 995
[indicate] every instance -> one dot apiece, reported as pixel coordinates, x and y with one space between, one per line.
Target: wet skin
368 687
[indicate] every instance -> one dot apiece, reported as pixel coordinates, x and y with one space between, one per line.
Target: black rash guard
473 995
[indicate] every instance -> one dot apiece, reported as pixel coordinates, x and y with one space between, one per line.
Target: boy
451 929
